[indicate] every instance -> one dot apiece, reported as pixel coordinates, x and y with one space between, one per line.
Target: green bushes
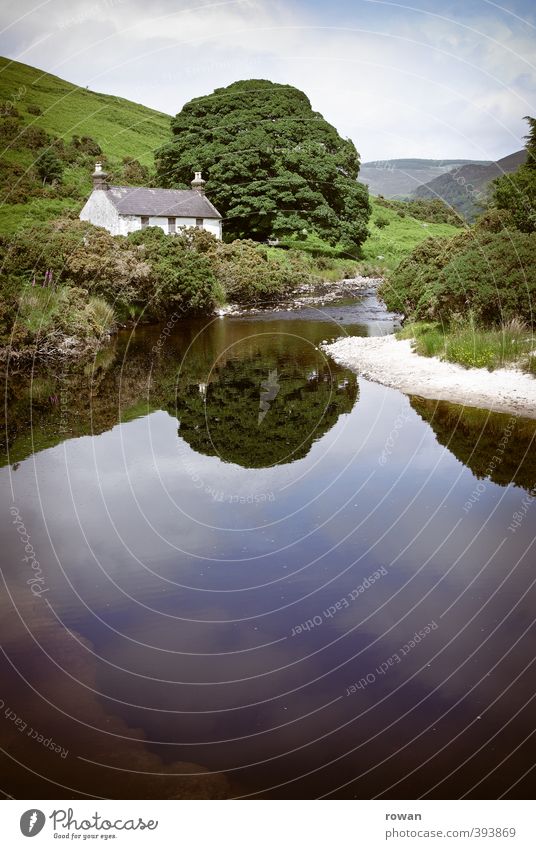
249 276
382 221
69 277
491 273
433 210
181 278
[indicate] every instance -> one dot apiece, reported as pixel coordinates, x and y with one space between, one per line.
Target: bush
490 273
182 278
381 221
34 109
249 276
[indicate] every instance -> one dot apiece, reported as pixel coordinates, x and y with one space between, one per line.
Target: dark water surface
245 560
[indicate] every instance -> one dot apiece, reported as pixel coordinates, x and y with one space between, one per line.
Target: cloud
445 82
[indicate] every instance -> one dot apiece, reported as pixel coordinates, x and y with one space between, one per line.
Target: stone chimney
198 184
100 177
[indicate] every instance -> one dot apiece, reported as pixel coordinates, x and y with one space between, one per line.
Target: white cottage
123 209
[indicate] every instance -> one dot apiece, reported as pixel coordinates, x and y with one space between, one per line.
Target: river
232 568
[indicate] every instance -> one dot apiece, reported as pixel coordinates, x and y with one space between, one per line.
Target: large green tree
516 193
273 166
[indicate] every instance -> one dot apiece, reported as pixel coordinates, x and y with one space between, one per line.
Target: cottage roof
180 203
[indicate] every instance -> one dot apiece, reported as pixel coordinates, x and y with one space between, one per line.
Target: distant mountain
466 188
398 178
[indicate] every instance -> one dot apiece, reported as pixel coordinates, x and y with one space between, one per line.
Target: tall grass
472 346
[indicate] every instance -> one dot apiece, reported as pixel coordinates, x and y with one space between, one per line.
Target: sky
433 78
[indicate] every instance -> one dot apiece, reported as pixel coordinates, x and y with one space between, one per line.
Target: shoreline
393 363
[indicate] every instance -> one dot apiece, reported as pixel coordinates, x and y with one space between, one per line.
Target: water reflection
497 446
171 633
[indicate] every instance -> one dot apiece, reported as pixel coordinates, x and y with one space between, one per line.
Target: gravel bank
392 362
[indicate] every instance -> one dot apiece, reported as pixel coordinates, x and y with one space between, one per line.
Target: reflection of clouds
70 712
359 516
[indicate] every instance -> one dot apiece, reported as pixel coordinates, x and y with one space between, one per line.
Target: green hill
394 234
36 109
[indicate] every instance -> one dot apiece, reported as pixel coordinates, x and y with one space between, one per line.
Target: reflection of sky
136 537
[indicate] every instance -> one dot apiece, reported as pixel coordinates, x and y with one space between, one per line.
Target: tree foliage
492 274
273 165
49 167
516 193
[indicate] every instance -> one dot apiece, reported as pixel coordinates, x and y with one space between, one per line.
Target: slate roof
180 203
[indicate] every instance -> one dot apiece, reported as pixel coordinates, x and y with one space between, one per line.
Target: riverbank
392 362
320 293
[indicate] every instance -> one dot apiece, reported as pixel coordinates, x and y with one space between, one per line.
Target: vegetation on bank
394 233
470 298
474 346
68 278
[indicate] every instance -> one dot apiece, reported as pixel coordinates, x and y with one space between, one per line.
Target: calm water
232 544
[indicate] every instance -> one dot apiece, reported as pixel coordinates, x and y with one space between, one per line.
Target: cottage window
171 225
144 221
198 222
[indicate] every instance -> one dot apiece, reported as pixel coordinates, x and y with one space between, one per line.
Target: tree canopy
516 193
273 166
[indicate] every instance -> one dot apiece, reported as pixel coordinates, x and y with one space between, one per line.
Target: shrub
34 109
490 273
249 276
49 166
381 221
182 278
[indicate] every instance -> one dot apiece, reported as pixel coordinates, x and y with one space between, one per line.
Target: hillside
35 108
398 178
396 236
465 188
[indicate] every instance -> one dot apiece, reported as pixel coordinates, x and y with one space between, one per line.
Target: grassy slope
122 128
398 238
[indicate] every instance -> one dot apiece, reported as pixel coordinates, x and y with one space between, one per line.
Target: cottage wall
130 223
100 211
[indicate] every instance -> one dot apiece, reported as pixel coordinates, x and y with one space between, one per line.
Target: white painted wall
99 210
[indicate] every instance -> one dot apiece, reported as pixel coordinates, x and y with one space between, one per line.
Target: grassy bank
511 345
394 234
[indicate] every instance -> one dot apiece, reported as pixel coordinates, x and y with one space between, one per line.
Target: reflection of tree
474 437
125 382
306 397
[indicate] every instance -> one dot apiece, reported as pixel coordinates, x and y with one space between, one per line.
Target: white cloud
400 83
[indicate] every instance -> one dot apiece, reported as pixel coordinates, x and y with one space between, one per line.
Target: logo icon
271 388
31 822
